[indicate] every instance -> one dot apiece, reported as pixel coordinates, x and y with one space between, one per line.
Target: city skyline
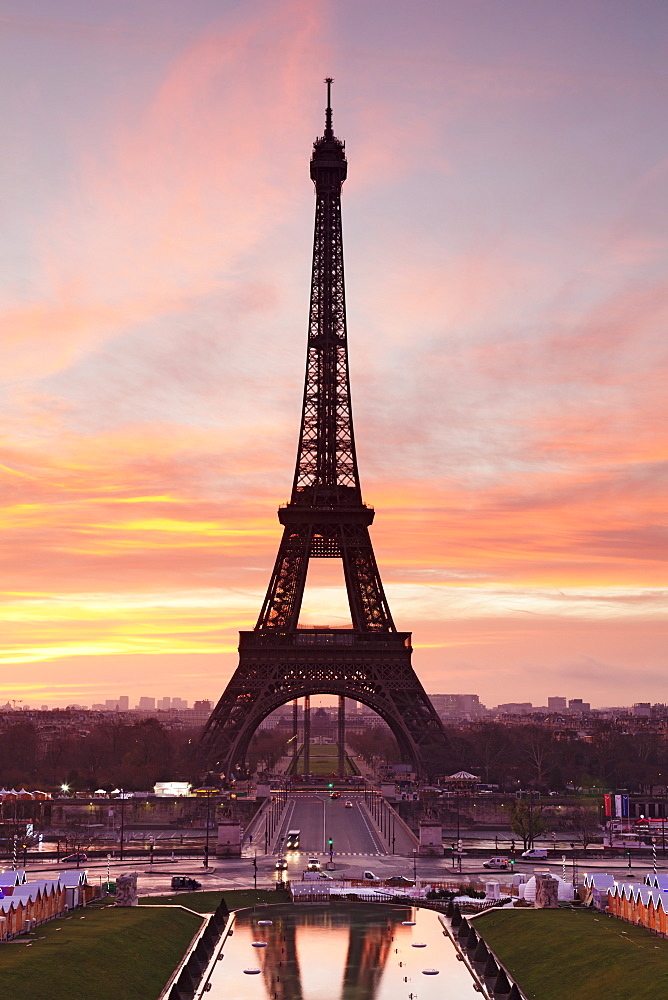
504 229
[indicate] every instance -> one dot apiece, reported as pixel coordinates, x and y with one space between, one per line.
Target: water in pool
343 951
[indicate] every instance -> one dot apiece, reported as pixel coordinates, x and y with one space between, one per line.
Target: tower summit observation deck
325 519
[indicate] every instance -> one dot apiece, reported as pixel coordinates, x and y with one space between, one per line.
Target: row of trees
136 755
113 754
531 756
109 755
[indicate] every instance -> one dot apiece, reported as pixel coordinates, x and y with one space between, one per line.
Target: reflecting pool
342 951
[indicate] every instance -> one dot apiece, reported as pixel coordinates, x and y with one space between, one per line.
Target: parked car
311 876
399 880
185 882
313 865
536 852
497 863
370 877
75 859
281 865
348 805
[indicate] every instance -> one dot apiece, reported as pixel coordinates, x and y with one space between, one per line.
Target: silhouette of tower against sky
326 518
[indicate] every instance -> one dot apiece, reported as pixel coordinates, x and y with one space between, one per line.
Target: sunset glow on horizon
505 226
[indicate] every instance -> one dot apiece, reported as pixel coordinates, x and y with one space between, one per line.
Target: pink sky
505 240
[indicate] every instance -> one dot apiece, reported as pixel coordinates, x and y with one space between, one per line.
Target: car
281 865
185 882
536 852
497 863
335 795
348 805
313 865
76 858
399 880
370 877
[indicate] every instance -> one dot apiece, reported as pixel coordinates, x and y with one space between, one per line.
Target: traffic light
331 843
331 784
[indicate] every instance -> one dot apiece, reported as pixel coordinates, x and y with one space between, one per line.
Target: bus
292 840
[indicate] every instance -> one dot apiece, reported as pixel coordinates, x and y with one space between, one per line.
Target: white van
539 853
503 863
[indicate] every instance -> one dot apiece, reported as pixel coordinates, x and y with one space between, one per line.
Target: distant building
556 704
121 704
450 706
164 704
180 704
578 705
642 708
515 708
200 712
146 704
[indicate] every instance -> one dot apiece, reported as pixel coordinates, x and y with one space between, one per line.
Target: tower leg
342 736
306 754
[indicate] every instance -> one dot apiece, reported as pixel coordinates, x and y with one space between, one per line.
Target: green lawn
206 902
562 954
323 760
98 954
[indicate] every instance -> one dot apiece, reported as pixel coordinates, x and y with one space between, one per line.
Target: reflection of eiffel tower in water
326 518
280 961
368 952
369 947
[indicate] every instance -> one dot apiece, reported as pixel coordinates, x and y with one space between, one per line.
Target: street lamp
206 842
122 822
457 801
414 865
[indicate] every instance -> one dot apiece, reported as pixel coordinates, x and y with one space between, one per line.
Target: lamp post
206 839
530 818
414 865
122 822
457 801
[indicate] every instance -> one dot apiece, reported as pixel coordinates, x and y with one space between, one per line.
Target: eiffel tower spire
325 519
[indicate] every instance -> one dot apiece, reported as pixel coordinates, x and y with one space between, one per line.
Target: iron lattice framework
325 519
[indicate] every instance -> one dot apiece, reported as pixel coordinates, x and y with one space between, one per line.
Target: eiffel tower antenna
325 518
329 134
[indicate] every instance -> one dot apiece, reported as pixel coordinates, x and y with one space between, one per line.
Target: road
318 818
232 873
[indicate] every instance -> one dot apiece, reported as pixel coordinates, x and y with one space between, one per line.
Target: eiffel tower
325 519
